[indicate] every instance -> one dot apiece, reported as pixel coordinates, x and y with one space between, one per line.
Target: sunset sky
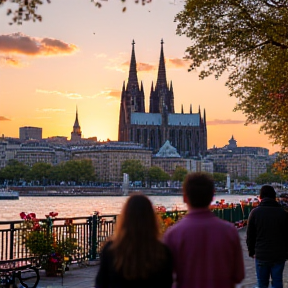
79 56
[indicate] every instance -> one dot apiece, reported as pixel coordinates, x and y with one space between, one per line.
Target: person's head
138 219
267 191
198 190
136 246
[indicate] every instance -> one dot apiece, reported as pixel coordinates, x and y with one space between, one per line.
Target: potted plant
54 250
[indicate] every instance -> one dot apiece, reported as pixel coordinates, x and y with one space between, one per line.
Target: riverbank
54 191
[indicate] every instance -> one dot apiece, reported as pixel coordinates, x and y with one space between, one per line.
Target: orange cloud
142 67
2 118
119 64
19 43
110 94
11 61
176 62
224 122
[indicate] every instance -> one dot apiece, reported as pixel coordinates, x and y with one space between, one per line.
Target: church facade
186 131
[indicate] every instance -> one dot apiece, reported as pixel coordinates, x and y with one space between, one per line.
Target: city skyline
80 57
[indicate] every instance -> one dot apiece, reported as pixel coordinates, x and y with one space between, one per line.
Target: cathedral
186 131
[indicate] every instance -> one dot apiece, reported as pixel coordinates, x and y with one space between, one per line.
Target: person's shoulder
176 227
225 225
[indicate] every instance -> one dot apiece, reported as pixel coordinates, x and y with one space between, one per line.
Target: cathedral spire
161 80
199 112
76 123
76 133
171 87
133 79
204 118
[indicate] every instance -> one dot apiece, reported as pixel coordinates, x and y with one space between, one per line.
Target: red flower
32 215
53 260
53 214
36 227
23 215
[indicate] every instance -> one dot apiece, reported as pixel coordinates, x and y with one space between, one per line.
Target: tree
280 166
247 39
268 177
14 171
70 170
134 169
157 174
40 171
179 174
219 177
56 174
26 10
87 171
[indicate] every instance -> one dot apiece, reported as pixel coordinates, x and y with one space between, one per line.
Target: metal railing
89 232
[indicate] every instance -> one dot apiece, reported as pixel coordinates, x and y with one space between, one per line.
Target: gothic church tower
132 99
162 97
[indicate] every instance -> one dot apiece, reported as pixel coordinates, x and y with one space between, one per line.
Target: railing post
12 229
94 246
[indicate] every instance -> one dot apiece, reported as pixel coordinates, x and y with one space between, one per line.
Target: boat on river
9 195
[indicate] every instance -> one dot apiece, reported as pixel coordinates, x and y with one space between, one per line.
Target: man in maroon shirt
206 250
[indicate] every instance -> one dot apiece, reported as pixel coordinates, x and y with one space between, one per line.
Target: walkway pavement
84 277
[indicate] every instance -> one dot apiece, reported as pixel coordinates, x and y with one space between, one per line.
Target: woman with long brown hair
135 257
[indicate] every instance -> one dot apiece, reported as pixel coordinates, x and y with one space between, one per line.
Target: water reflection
85 206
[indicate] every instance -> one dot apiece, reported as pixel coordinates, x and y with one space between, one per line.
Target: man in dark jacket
267 238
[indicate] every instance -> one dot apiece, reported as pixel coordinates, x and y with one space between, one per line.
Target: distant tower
232 143
76 133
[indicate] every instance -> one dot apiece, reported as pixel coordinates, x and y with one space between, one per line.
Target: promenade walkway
84 277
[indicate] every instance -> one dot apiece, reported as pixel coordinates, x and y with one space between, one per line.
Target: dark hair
199 189
267 191
136 246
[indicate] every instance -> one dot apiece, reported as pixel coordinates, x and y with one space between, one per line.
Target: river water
86 205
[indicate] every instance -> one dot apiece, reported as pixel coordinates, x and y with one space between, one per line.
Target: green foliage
134 169
247 39
14 170
157 174
77 170
42 240
242 178
27 10
219 177
179 174
38 242
56 173
39 171
269 177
